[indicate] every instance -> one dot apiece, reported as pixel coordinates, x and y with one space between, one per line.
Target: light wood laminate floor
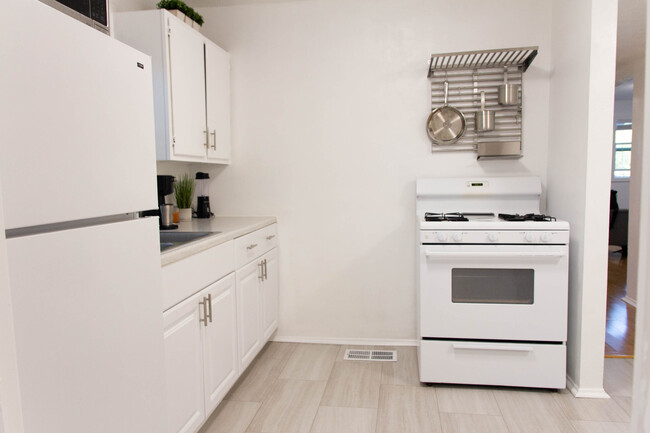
309 388
619 337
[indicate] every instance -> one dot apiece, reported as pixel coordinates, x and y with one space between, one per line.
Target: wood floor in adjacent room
619 338
309 388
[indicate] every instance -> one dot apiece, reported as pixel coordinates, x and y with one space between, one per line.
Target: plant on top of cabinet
180 6
183 191
191 86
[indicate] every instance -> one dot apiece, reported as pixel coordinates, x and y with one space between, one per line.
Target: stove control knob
493 237
545 237
442 236
530 237
458 237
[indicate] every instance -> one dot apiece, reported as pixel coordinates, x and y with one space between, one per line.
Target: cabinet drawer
487 363
253 245
184 278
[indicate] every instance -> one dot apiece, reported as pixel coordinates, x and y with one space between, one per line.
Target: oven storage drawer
487 363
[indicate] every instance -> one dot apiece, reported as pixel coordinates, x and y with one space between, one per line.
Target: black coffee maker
202 199
165 187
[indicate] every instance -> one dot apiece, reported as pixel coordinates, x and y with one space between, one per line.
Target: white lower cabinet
248 299
220 342
269 294
214 334
184 367
200 354
257 291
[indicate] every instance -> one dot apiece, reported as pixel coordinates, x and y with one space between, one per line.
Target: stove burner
527 217
454 216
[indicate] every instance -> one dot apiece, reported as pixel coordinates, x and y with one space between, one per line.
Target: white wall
623 106
579 165
641 397
329 104
636 189
623 110
11 409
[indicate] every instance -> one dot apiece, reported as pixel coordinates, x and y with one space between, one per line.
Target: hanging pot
508 93
483 119
445 124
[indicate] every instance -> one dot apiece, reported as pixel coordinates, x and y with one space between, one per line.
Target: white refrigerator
77 162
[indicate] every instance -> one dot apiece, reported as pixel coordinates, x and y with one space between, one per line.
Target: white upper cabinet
217 87
186 90
191 86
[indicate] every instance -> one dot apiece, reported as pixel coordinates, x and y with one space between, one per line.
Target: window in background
622 150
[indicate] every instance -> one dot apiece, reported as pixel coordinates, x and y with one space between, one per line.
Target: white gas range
493 278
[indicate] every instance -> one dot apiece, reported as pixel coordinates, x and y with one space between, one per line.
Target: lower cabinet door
270 295
184 366
220 355
248 309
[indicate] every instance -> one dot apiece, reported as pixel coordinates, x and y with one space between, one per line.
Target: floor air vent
370 355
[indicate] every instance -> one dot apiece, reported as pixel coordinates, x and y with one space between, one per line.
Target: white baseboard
629 301
345 341
585 392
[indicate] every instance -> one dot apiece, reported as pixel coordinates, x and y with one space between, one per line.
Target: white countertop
229 228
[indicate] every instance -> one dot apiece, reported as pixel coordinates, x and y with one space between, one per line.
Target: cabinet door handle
204 320
264 265
207 139
251 246
214 139
268 238
210 306
260 275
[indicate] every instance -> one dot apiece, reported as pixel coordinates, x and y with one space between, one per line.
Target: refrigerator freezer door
87 310
77 121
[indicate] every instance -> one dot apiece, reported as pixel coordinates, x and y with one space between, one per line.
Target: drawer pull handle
210 306
204 320
268 238
264 269
251 246
500 347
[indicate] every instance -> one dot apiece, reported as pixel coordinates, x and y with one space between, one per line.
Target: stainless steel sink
174 239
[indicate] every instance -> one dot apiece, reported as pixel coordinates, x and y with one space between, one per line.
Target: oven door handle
492 346
440 255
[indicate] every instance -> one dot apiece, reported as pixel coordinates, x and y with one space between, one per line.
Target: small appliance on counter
202 199
165 211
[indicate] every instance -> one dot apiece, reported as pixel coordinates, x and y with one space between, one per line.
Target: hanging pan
445 124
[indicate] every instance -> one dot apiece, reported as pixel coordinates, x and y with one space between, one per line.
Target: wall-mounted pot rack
469 74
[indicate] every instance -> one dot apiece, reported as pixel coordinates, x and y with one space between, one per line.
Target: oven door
494 292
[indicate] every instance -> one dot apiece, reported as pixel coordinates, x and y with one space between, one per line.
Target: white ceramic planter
187 20
185 215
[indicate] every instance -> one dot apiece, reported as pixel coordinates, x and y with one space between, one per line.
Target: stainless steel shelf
469 74
520 58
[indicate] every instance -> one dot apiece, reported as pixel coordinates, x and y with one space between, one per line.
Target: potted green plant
184 191
182 11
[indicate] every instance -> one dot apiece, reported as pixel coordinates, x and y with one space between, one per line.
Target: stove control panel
530 237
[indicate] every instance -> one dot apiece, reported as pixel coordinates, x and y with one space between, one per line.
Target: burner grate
526 217
453 216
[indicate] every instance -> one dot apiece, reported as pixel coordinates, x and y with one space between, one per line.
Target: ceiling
630 32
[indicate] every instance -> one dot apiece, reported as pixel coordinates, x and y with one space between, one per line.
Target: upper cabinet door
187 89
217 87
78 132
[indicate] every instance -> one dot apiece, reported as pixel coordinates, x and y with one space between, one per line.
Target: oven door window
492 286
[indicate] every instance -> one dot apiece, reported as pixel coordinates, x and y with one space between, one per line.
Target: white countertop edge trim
246 226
